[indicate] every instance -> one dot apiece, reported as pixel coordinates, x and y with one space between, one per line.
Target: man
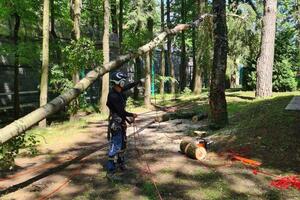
116 102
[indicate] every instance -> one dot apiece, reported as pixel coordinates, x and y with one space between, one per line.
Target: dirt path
176 176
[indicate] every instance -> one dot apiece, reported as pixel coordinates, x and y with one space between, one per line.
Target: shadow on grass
272 133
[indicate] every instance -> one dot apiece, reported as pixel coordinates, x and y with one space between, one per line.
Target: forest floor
70 161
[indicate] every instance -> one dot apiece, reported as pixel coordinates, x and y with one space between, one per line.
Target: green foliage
11 149
81 54
283 77
130 103
59 81
186 92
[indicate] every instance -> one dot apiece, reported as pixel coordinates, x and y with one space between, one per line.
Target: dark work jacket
116 102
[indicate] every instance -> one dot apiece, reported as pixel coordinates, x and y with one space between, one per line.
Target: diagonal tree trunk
265 61
24 123
217 98
45 60
105 42
162 54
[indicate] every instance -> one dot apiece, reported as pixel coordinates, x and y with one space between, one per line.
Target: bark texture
183 64
162 53
24 123
121 4
169 51
148 66
265 62
217 100
45 59
105 42
16 69
197 51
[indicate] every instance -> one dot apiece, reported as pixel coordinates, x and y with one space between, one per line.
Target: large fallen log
21 125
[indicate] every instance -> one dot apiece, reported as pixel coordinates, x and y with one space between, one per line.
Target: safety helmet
119 78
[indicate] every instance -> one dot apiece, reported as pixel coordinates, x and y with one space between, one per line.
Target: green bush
11 149
284 78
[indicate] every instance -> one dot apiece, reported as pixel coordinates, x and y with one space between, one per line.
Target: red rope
148 170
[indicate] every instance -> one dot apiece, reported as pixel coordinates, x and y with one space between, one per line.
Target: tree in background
105 78
121 11
202 52
148 59
162 53
169 50
217 100
266 58
45 59
183 64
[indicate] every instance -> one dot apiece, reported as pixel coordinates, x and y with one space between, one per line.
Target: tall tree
75 13
114 17
162 53
105 43
169 51
16 67
45 59
148 65
121 9
298 29
198 36
265 61
183 63
217 100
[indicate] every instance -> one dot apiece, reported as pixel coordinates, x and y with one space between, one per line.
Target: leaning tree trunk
16 67
265 62
45 60
169 51
183 63
24 123
162 53
217 98
105 42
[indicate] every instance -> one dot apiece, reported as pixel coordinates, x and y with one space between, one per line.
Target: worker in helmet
116 102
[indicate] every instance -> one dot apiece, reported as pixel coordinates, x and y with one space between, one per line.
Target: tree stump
195 152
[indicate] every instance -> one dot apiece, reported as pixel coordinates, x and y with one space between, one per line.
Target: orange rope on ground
64 184
147 164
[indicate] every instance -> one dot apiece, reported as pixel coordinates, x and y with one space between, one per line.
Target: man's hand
134 115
